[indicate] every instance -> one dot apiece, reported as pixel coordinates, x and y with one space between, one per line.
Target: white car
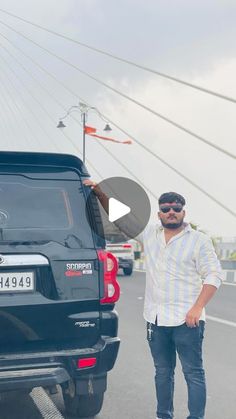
123 250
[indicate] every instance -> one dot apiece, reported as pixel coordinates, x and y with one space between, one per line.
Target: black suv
57 283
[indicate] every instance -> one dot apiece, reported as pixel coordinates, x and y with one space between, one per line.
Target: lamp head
107 128
61 124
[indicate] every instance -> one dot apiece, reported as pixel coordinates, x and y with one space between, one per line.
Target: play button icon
117 210
121 204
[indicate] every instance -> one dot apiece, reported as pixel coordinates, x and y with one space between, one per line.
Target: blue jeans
187 342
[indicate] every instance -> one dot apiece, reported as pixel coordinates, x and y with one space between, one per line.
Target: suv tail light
127 246
111 286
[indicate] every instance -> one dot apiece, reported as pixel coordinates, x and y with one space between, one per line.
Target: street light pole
83 109
83 122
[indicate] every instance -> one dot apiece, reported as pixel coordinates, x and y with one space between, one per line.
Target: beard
172 226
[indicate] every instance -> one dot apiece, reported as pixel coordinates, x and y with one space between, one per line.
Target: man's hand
193 316
93 185
89 182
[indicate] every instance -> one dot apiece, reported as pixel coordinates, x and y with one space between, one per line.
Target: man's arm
127 228
194 314
208 266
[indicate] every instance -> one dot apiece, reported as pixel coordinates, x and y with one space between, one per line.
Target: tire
83 406
128 271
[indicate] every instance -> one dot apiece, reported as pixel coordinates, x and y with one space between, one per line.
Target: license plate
17 281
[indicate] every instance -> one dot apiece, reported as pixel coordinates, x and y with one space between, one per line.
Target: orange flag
91 131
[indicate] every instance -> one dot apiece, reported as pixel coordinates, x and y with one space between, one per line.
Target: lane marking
219 320
44 404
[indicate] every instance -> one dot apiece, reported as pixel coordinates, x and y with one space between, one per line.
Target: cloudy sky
192 40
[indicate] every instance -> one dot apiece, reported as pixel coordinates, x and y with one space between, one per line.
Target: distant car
123 250
58 285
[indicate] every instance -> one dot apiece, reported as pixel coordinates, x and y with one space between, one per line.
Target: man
182 275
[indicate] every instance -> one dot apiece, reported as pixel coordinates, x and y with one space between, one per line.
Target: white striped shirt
176 272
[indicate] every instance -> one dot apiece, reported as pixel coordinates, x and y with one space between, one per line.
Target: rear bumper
125 263
30 378
29 370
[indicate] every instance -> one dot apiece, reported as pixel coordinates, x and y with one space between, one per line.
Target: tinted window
34 206
43 209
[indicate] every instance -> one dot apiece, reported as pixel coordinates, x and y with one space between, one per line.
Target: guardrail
230 276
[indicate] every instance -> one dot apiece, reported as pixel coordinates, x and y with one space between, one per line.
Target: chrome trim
23 260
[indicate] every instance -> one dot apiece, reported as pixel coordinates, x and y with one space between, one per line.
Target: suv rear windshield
43 207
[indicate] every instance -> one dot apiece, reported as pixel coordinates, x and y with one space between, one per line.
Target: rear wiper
73 238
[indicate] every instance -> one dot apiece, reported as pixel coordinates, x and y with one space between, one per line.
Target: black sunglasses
174 208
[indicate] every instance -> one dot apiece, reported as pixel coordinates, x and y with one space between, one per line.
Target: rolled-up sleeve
208 265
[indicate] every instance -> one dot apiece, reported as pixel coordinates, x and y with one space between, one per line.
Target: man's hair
171 197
